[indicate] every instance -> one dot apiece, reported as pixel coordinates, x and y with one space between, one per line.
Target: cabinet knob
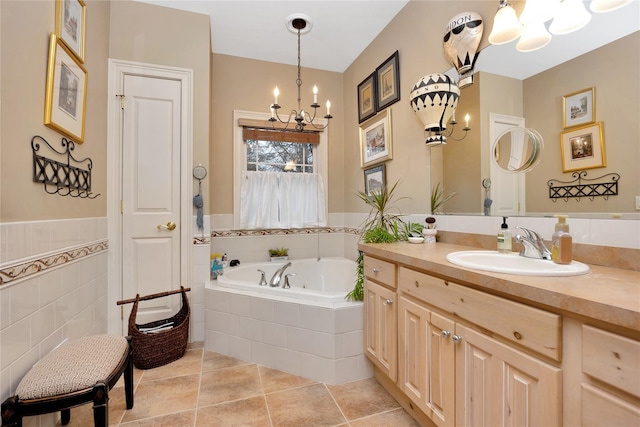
456 338
445 334
375 270
388 302
417 284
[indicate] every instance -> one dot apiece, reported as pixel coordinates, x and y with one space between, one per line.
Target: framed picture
70 25
583 148
579 108
375 140
388 82
374 179
66 92
367 98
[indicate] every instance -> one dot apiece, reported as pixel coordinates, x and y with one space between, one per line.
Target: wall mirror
516 85
517 150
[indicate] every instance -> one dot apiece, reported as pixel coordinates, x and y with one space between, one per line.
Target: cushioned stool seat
76 373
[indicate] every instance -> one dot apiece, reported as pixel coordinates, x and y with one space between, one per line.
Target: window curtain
282 200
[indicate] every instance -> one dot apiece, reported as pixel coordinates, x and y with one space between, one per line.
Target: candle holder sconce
69 177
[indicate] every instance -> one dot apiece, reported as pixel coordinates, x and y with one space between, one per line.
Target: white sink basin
513 263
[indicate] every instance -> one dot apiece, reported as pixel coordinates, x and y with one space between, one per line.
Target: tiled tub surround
253 245
54 288
323 342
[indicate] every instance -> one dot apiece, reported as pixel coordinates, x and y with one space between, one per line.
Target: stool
76 373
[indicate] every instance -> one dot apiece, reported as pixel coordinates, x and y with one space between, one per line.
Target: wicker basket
157 349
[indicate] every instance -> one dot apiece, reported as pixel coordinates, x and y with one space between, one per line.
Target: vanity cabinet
381 315
477 348
426 366
458 375
611 364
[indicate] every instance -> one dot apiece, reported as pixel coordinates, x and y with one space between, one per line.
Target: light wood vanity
463 347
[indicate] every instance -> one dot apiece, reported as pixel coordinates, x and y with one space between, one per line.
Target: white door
151 220
507 189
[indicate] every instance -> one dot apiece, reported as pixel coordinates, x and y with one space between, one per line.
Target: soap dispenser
504 237
561 242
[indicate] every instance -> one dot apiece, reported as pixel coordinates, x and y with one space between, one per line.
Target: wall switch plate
638 203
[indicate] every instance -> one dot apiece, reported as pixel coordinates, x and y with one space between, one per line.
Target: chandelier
300 117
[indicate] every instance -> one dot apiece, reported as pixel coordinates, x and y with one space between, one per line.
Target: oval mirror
517 150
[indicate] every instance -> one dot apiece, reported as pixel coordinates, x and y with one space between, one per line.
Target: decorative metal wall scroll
603 186
66 177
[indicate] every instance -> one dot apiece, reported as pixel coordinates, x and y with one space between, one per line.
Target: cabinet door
381 327
426 361
497 385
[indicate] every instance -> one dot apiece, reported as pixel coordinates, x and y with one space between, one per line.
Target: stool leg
65 416
10 416
128 377
101 405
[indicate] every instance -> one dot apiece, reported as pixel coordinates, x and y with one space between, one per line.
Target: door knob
170 226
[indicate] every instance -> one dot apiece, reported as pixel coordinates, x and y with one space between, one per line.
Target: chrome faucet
287 285
532 245
275 280
263 280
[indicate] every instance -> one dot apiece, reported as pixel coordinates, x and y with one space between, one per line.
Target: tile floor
209 389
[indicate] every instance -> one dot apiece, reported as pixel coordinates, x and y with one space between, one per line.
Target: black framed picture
367 98
388 82
374 179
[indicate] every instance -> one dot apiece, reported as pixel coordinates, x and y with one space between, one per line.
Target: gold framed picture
66 91
70 25
583 148
579 108
376 143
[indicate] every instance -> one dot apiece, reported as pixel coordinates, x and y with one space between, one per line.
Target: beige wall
25 29
416 32
245 84
158 35
613 71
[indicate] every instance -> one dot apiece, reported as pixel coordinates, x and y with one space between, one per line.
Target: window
279 178
274 156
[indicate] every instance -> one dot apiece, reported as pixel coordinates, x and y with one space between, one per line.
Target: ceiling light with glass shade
566 16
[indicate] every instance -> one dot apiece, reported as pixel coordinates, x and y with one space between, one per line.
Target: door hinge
121 206
121 101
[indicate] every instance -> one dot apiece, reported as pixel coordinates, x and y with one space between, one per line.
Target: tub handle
286 280
263 279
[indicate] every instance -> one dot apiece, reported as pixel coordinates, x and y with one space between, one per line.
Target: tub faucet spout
275 280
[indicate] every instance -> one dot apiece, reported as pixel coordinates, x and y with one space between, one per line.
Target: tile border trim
14 272
283 231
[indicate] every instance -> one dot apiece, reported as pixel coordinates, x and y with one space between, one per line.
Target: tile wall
53 288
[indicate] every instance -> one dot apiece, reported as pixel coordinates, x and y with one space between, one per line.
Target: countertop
606 294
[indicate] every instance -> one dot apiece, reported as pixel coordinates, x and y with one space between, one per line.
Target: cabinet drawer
611 358
381 271
600 409
530 327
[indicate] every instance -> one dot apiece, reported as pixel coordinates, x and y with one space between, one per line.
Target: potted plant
279 254
381 226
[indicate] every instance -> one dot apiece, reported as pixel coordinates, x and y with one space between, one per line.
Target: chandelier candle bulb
466 120
315 94
328 107
276 92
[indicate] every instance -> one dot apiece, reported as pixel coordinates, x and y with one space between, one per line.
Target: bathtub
308 330
317 281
